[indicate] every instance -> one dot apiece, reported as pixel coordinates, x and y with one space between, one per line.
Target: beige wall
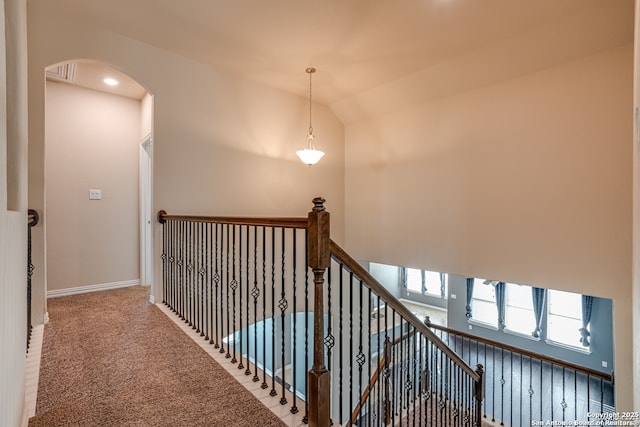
526 181
92 141
13 212
222 145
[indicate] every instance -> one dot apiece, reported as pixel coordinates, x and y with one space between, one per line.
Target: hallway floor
112 359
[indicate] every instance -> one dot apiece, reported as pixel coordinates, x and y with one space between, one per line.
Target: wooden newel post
479 386
319 259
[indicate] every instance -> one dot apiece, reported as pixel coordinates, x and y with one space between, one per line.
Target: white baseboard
92 288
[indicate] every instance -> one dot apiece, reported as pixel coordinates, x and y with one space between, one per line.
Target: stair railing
429 384
524 387
247 285
32 220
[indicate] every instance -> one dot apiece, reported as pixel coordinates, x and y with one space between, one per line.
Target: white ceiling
364 48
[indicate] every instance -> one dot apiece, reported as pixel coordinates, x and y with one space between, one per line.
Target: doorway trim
146 214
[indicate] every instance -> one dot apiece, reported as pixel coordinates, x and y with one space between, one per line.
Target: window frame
424 288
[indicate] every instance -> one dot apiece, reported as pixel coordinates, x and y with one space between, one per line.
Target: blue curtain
500 289
443 291
587 303
469 295
539 297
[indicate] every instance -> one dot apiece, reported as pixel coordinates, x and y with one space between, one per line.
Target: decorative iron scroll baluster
247 280
33 217
224 278
238 285
205 281
340 346
189 306
283 305
563 404
182 270
233 285
350 340
369 358
255 293
360 359
201 285
264 384
216 281
273 391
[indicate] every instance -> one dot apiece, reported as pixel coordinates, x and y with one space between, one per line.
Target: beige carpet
112 359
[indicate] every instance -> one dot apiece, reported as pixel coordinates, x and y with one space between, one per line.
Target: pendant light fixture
310 156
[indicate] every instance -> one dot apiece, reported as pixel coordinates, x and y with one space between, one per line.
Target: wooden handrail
352 265
257 221
524 352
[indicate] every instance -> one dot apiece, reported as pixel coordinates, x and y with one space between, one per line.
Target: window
426 282
519 315
483 302
564 318
413 278
436 283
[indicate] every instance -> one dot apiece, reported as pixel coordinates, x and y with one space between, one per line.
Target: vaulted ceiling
371 55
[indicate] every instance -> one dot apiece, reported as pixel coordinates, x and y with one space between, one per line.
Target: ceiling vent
63 72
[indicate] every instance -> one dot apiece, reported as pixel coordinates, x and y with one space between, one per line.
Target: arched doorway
98 177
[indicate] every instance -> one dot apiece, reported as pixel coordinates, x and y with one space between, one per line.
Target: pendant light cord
310 71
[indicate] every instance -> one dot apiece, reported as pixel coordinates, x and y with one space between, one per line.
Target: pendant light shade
310 156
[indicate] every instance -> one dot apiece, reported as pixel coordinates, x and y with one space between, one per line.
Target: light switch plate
95 194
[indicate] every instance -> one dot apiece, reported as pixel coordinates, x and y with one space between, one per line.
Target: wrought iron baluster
351 341
369 356
421 379
182 280
563 404
273 391
601 396
521 378
575 394
224 279
206 281
502 383
531 391
247 280
216 280
190 276
340 347
305 419
164 256
511 387
360 358
283 305
233 285
264 384
255 292
229 277
202 272
541 397
552 386
238 331
294 315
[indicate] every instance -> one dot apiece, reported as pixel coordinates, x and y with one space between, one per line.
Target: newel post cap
319 256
